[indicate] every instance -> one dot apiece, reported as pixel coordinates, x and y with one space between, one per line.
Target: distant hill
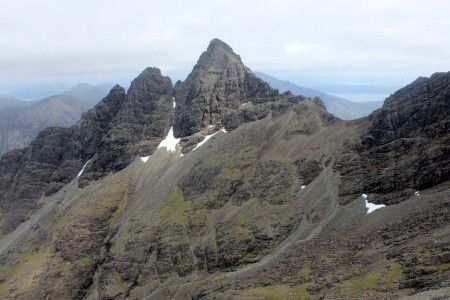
86 91
38 91
11 102
20 125
340 107
357 89
83 91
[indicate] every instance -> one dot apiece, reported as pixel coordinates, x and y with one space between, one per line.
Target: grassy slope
231 220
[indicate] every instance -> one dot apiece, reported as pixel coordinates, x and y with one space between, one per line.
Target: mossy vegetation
305 272
383 276
278 292
121 286
231 173
23 272
175 210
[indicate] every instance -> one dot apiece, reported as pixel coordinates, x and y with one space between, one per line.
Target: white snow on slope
145 158
170 142
417 193
372 207
303 186
208 137
82 170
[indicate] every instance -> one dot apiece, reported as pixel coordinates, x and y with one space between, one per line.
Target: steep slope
406 148
342 108
108 136
20 125
270 207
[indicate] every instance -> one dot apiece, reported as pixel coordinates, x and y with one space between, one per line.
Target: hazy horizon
310 43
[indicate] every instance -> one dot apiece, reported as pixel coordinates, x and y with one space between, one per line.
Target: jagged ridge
258 206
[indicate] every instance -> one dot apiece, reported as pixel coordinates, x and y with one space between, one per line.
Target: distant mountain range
20 125
89 92
46 89
11 102
357 89
220 187
340 107
21 121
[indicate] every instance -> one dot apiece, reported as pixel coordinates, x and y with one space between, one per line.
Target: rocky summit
220 187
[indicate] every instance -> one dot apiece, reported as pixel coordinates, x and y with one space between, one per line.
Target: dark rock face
406 147
218 84
110 135
139 126
255 207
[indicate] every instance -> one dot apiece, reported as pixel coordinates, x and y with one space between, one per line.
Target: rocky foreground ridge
271 206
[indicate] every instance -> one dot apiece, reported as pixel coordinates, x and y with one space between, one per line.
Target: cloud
73 40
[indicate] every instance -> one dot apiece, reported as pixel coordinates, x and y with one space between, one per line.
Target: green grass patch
368 282
393 276
305 272
243 217
121 286
278 292
232 173
220 160
175 210
382 277
20 271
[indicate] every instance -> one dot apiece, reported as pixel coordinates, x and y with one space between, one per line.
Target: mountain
357 89
11 102
342 108
86 91
38 91
219 187
21 124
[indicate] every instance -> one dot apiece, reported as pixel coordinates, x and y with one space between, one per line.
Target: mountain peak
218 84
218 55
216 44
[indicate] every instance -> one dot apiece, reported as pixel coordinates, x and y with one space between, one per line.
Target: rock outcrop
406 148
218 84
108 137
270 207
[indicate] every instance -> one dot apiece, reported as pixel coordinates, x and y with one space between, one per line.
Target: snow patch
245 103
303 186
372 207
170 142
82 170
417 193
208 137
174 103
364 196
145 158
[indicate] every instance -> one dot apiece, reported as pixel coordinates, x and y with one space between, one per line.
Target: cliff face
218 84
106 139
270 207
406 147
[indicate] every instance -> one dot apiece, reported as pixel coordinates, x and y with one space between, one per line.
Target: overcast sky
308 42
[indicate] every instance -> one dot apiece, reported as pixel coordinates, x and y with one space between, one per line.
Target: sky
311 43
